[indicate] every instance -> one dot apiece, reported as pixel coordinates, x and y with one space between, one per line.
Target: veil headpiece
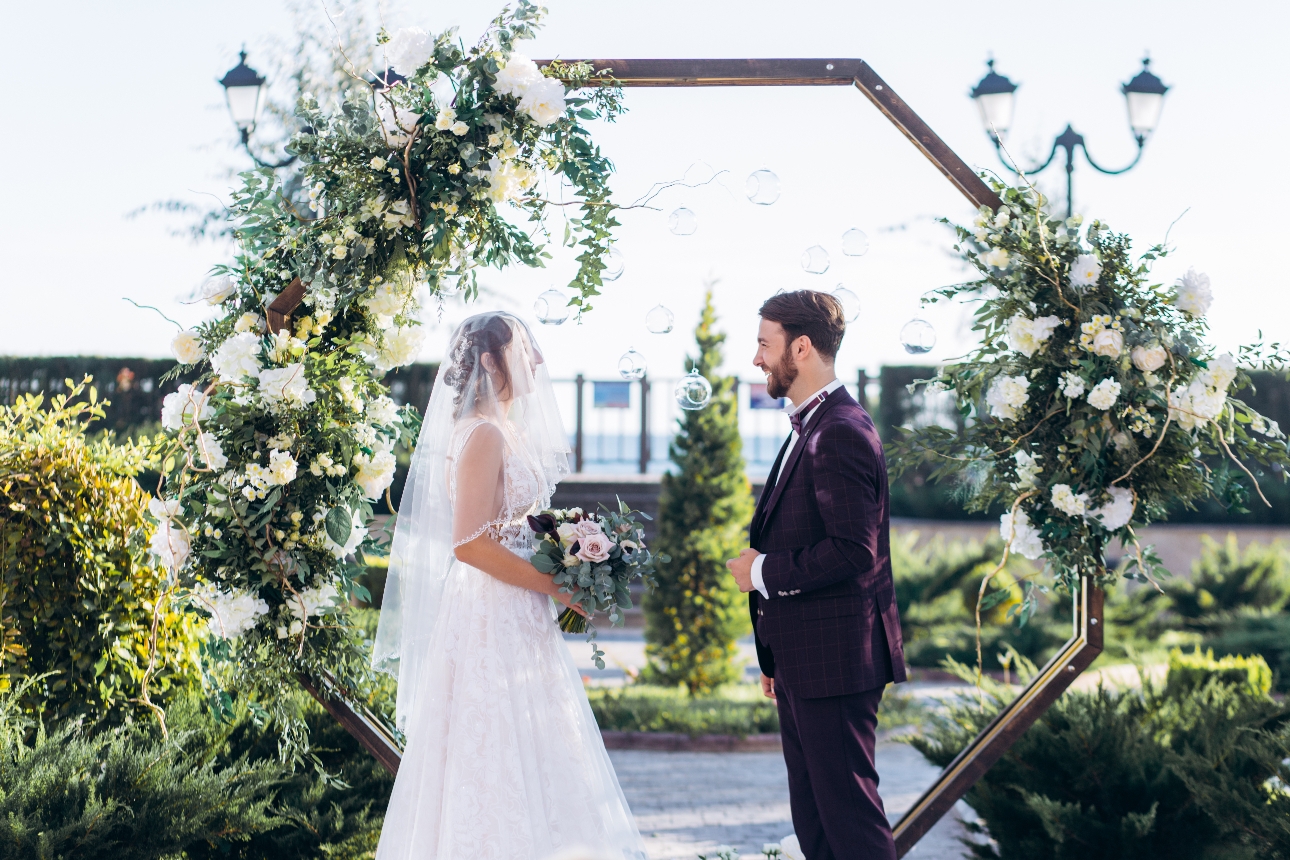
493 373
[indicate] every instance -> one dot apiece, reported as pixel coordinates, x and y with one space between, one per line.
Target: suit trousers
832 781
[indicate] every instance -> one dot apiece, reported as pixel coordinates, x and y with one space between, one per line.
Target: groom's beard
782 376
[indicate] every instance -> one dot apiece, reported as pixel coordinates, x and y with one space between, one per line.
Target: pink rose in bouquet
594 548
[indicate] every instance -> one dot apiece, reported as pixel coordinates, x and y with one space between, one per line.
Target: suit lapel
787 472
760 511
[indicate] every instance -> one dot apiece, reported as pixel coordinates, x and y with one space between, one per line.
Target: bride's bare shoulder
483 440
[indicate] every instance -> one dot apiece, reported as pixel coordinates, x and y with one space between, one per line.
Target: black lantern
243 87
995 97
1145 95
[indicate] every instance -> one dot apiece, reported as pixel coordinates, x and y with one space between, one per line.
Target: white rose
238 357
1066 500
1073 384
186 348
375 473
211 452
249 322
1006 395
1028 470
459 128
286 388
408 50
1026 336
171 544
1085 271
383 412
515 78
544 101
217 288
1108 342
1149 358
447 116
402 346
1116 513
282 468
186 406
998 258
1193 293
1020 535
1104 394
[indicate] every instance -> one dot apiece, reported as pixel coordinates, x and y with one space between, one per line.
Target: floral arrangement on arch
277 450
1093 403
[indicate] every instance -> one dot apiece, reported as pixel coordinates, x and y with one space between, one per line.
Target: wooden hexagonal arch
1073 657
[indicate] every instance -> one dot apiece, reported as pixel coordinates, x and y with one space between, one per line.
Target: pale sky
113 106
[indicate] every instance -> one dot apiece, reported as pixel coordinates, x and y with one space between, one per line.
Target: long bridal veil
421 554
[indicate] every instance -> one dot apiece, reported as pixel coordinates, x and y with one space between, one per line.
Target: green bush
77 583
1225 580
697 613
1197 769
1267 636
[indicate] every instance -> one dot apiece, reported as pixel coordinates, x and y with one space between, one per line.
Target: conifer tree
697 613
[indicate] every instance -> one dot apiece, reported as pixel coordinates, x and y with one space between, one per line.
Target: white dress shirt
757 581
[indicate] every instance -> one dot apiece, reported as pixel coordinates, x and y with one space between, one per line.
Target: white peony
171 544
1149 358
998 258
210 452
282 468
1108 342
508 181
186 348
232 612
1028 470
402 346
315 601
1020 535
1068 502
1104 394
515 78
386 299
1193 293
165 509
1116 513
238 357
1007 394
216 289
185 406
1085 271
1026 336
1073 384
383 412
375 473
544 101
286 388
1204 398
408 50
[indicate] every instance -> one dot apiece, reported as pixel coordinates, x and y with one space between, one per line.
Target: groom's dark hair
808 312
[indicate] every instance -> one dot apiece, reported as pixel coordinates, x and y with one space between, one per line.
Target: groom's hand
741 569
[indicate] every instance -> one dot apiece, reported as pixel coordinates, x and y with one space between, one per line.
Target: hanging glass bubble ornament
693 392
682 222
614 265
849 300
918 337
855 243
552 307
631 365
659 320
815 260
762 187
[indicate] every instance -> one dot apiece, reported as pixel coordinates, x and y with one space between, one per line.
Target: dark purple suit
829 634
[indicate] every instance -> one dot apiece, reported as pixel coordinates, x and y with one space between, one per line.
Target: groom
819 584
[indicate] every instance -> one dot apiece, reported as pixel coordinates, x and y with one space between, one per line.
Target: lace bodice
521 495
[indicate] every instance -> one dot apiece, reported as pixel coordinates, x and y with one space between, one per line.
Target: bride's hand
565 597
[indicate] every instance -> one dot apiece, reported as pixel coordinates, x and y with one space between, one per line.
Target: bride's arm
478 502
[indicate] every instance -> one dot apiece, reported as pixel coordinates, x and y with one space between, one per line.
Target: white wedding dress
504 760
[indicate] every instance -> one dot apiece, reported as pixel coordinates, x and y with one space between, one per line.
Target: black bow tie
799 416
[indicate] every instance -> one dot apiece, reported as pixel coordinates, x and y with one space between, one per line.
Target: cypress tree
697 613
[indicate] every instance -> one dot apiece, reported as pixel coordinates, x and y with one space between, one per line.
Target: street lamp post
995 98
243 89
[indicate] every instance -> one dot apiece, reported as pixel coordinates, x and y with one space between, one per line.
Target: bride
503 756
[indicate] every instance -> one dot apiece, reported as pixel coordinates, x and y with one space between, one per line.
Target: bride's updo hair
468 375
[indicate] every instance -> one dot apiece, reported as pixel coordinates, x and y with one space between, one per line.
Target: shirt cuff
757 581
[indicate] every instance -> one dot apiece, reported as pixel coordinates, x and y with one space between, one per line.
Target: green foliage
694 617
1179 773
936 592
1224 580
1191 672
78 588
1267 636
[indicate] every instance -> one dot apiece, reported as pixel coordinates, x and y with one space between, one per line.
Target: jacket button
760 612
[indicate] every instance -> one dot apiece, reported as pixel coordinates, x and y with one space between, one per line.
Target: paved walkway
690 802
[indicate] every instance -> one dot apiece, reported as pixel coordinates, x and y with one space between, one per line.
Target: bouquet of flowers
593 557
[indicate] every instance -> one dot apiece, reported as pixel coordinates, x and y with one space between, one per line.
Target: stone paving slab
685 803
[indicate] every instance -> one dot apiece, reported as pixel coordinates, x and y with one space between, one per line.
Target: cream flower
447 116
171 544
409 49
375 473
249 322
383 412
1020 535
217 288
1108 342
1104 394
1028 470
459 128
386 299
185 407
1026 335
1193 296
282 468
1006 396
1085 271
397 121
1066 500
543 101
316 600
210 452
1149 358
515 78
402 346
1073 384
1204 398
232 612
286 388
237 357
998 258
186 348
1116 513
357 534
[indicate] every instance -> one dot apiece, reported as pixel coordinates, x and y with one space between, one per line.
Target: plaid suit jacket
830 626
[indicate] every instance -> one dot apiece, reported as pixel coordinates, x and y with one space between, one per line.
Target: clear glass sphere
552 307
855 243
682 222
849 300
918 337
614 265
762 187
659 320
631 365
815 260
693 392
449 286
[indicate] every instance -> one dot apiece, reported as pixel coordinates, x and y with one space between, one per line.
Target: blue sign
612 395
